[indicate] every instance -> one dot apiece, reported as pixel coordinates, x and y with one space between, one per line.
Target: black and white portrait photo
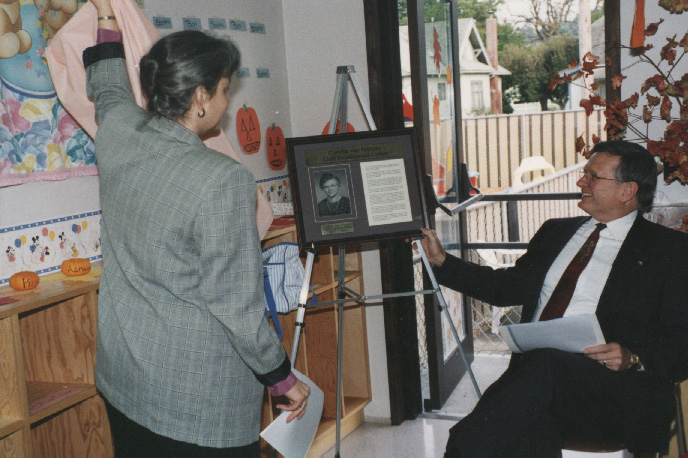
333 193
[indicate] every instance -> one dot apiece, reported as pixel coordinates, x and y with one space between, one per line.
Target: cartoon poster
39 140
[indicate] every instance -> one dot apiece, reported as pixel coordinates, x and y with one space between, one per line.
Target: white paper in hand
572 333
293 439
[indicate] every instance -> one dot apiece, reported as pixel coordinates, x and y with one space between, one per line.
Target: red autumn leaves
663 94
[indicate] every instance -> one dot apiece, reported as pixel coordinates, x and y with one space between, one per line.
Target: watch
635 360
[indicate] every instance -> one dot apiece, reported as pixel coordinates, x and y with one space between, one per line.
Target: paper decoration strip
42 246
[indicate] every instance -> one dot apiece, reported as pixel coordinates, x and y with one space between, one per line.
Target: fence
494 146
499 222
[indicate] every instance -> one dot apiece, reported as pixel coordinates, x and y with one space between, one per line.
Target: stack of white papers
572 333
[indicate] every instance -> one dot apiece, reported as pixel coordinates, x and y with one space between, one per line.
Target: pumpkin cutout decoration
248 129
22 281
75 267
338 129
276 148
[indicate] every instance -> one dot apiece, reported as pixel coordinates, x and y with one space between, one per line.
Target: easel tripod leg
340 327
443 306
303 300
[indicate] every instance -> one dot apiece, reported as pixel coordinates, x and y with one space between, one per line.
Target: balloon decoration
276 148
338 130
248 129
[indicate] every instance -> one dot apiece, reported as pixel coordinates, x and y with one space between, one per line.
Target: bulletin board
258 118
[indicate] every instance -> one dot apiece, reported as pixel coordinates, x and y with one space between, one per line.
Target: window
477 95
442 91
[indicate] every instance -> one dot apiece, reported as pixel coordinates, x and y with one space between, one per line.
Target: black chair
677 429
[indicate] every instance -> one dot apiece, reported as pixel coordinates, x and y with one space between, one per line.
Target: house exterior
475 66
576 92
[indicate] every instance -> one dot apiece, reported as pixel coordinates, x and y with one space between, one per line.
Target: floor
426 436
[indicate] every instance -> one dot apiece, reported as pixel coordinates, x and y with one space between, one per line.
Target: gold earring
201 113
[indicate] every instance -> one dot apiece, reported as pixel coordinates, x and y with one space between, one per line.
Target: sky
510 10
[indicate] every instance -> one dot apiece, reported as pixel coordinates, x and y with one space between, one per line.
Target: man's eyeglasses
592 176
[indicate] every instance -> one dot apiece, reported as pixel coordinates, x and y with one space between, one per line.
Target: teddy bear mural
55 14
38 138
13 39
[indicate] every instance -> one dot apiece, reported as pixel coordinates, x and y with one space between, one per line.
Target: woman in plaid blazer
184 348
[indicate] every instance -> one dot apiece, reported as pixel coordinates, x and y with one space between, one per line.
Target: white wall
319 37
674 24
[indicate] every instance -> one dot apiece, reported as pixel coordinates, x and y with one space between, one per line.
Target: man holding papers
630 273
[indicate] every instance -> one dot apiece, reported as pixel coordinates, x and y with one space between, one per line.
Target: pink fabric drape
138 35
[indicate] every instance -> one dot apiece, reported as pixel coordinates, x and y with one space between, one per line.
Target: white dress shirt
594 277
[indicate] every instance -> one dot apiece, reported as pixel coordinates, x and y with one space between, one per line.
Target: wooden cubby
317 352
48 400
49 405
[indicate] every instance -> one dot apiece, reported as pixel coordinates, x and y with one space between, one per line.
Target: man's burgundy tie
561 296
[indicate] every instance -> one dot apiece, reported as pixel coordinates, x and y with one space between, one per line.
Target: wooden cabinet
48 400
317 352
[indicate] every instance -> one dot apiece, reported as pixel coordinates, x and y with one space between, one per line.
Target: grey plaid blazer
182 337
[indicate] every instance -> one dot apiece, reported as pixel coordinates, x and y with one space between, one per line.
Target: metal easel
339 113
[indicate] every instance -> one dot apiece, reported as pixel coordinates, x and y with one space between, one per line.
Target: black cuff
275 376
102 51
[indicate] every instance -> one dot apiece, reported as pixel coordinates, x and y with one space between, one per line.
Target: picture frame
356 187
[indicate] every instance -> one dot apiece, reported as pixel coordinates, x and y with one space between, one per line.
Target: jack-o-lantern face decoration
248 129
338 129
276 149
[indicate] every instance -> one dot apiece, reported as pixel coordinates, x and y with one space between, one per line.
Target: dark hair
179 63
327 176
637 165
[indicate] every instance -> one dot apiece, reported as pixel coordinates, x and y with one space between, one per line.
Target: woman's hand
298 397
106 16
103 6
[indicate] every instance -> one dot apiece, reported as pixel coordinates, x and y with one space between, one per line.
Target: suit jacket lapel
633 254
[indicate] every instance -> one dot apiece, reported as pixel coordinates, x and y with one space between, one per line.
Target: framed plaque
356 187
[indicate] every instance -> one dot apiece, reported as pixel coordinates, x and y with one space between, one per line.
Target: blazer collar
173 129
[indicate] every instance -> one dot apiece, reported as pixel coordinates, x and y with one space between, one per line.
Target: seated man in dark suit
633 274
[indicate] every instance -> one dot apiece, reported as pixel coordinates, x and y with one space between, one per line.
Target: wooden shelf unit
317 352
49 405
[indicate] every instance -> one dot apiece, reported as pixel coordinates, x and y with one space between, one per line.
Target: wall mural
39 140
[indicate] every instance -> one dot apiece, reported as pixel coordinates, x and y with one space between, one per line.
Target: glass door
431 97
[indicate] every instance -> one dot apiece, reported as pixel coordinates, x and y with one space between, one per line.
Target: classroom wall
305 41
319 36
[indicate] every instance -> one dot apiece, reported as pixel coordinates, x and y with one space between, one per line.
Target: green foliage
508 35
532 68
477 9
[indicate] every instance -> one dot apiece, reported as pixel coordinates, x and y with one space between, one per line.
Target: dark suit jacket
643 307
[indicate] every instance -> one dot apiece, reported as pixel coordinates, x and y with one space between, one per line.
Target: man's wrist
635 361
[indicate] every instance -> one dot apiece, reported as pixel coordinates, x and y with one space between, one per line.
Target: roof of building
468 37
